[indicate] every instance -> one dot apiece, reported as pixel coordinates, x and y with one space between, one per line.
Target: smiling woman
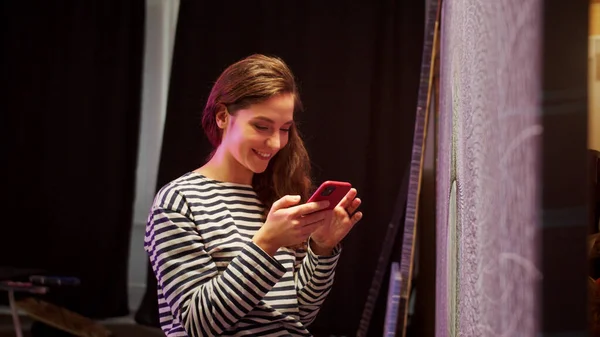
261 92
250 137
234 249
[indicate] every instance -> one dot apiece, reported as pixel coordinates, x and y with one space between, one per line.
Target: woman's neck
224 167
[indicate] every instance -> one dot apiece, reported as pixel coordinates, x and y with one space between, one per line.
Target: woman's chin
258 170
259 167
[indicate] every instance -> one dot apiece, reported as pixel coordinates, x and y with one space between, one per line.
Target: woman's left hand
337 225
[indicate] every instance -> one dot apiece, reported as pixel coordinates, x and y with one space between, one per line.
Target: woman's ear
222 117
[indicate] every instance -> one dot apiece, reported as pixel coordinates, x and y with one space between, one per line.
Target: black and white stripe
213 280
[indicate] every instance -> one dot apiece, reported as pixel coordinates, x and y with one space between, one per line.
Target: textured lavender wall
489 143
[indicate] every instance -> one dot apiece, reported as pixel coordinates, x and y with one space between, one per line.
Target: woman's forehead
278 109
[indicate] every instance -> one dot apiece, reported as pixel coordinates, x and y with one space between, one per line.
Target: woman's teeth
263 154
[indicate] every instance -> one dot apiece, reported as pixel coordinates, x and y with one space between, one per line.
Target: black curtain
72 73
358 67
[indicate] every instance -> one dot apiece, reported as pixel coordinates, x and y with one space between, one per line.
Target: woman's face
254 135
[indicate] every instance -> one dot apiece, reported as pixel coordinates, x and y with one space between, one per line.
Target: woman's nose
274 142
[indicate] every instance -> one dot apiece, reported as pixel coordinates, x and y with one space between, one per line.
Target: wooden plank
416 165
62 318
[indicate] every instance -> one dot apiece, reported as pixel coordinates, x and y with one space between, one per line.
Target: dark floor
121 327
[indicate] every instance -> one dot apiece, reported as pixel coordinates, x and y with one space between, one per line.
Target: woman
234 248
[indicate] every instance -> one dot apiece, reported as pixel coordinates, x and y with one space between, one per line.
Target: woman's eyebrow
269 120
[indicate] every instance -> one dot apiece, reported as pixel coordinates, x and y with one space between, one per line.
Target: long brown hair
252 80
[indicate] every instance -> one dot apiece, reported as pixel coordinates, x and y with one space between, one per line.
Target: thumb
285 202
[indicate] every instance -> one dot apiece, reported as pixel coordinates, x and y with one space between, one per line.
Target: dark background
73 77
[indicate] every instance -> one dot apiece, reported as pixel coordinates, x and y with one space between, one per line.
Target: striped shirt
213 280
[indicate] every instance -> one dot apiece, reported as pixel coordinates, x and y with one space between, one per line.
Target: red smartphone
334 191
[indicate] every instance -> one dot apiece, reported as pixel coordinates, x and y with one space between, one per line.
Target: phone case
334 191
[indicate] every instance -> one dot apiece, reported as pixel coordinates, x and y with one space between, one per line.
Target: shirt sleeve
314 278
206 303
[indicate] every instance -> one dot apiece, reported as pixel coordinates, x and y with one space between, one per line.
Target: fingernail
324 203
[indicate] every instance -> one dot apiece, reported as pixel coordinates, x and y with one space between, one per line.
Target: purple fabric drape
490 124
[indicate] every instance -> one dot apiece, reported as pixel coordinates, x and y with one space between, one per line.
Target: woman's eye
260 127
285 130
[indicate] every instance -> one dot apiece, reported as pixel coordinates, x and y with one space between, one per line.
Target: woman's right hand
289 224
